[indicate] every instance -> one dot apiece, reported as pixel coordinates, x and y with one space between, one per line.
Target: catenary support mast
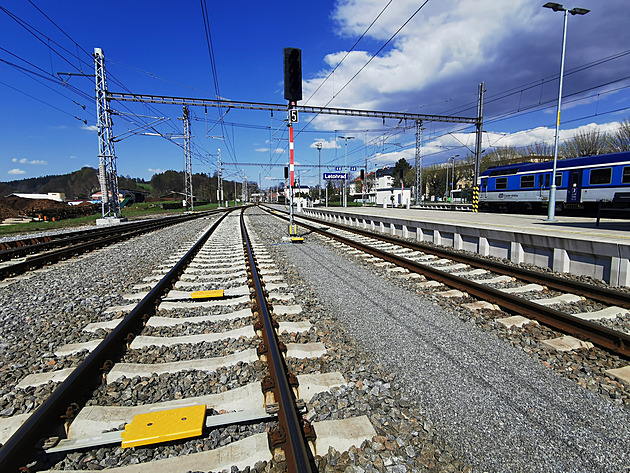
188 190
107 175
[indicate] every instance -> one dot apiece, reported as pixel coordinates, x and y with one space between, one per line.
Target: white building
386 194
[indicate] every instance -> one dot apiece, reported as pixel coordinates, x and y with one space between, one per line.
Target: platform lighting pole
319 149
551 215
345 198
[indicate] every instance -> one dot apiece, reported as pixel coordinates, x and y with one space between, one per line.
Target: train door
574 187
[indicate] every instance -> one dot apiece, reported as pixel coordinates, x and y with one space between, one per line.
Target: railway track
221 297
508 295
22 255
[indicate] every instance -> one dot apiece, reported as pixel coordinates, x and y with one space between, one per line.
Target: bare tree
584 143
620 139
540 148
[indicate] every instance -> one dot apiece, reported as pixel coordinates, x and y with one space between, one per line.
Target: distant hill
79 184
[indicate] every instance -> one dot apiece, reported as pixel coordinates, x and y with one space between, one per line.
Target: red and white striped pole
291 169
291 163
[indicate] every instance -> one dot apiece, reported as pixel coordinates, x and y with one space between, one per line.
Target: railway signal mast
292 93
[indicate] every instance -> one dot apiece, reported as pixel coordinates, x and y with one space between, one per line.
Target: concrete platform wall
605 261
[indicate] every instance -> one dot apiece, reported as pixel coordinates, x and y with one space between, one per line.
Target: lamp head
554 6
578 11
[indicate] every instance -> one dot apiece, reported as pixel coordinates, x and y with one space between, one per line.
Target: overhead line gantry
107 96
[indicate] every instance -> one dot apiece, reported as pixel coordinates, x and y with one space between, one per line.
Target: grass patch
134 211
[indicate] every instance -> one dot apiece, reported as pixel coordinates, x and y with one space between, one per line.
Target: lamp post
319 148
551 215
453 174
345 198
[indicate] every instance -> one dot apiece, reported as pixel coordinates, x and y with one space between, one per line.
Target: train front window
625 177
600 176
484 184
528 181
501 183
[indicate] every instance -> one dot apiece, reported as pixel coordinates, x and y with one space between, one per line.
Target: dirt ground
15 206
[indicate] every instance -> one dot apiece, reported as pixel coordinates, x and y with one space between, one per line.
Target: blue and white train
580 183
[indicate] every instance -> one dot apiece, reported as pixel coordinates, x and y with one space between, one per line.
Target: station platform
568 245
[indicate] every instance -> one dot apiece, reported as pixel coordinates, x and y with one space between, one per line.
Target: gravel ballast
502 410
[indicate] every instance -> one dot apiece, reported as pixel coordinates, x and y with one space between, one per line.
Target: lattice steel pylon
107 175
418 163
188 190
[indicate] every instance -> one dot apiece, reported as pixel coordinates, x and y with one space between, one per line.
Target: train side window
547 180
558 179
540 180
528 181
501 183
600 176
625 177
484 184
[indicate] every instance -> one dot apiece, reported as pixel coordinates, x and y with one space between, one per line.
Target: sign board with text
335 176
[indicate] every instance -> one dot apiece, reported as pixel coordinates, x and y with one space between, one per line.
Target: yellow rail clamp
214 294
164 426
297 239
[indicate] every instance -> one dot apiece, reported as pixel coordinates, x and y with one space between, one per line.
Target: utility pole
418 164
244 187
479 126
107 175
345 198
319 149
188 190
220 181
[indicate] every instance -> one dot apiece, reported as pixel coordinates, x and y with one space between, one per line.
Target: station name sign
335 176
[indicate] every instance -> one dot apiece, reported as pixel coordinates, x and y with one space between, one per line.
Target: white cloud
89 127
326 144
72 157
261 150
155 171
16 171
26 161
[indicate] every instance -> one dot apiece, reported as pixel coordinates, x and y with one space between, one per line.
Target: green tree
402 167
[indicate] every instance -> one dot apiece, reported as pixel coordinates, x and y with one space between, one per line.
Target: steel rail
22 445
33 244
597 293
297 452
96 242
617 342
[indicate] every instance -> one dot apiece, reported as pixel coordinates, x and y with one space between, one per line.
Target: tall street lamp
345 198
453 174
319 148
551 215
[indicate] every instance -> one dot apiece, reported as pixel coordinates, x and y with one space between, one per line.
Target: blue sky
433 65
